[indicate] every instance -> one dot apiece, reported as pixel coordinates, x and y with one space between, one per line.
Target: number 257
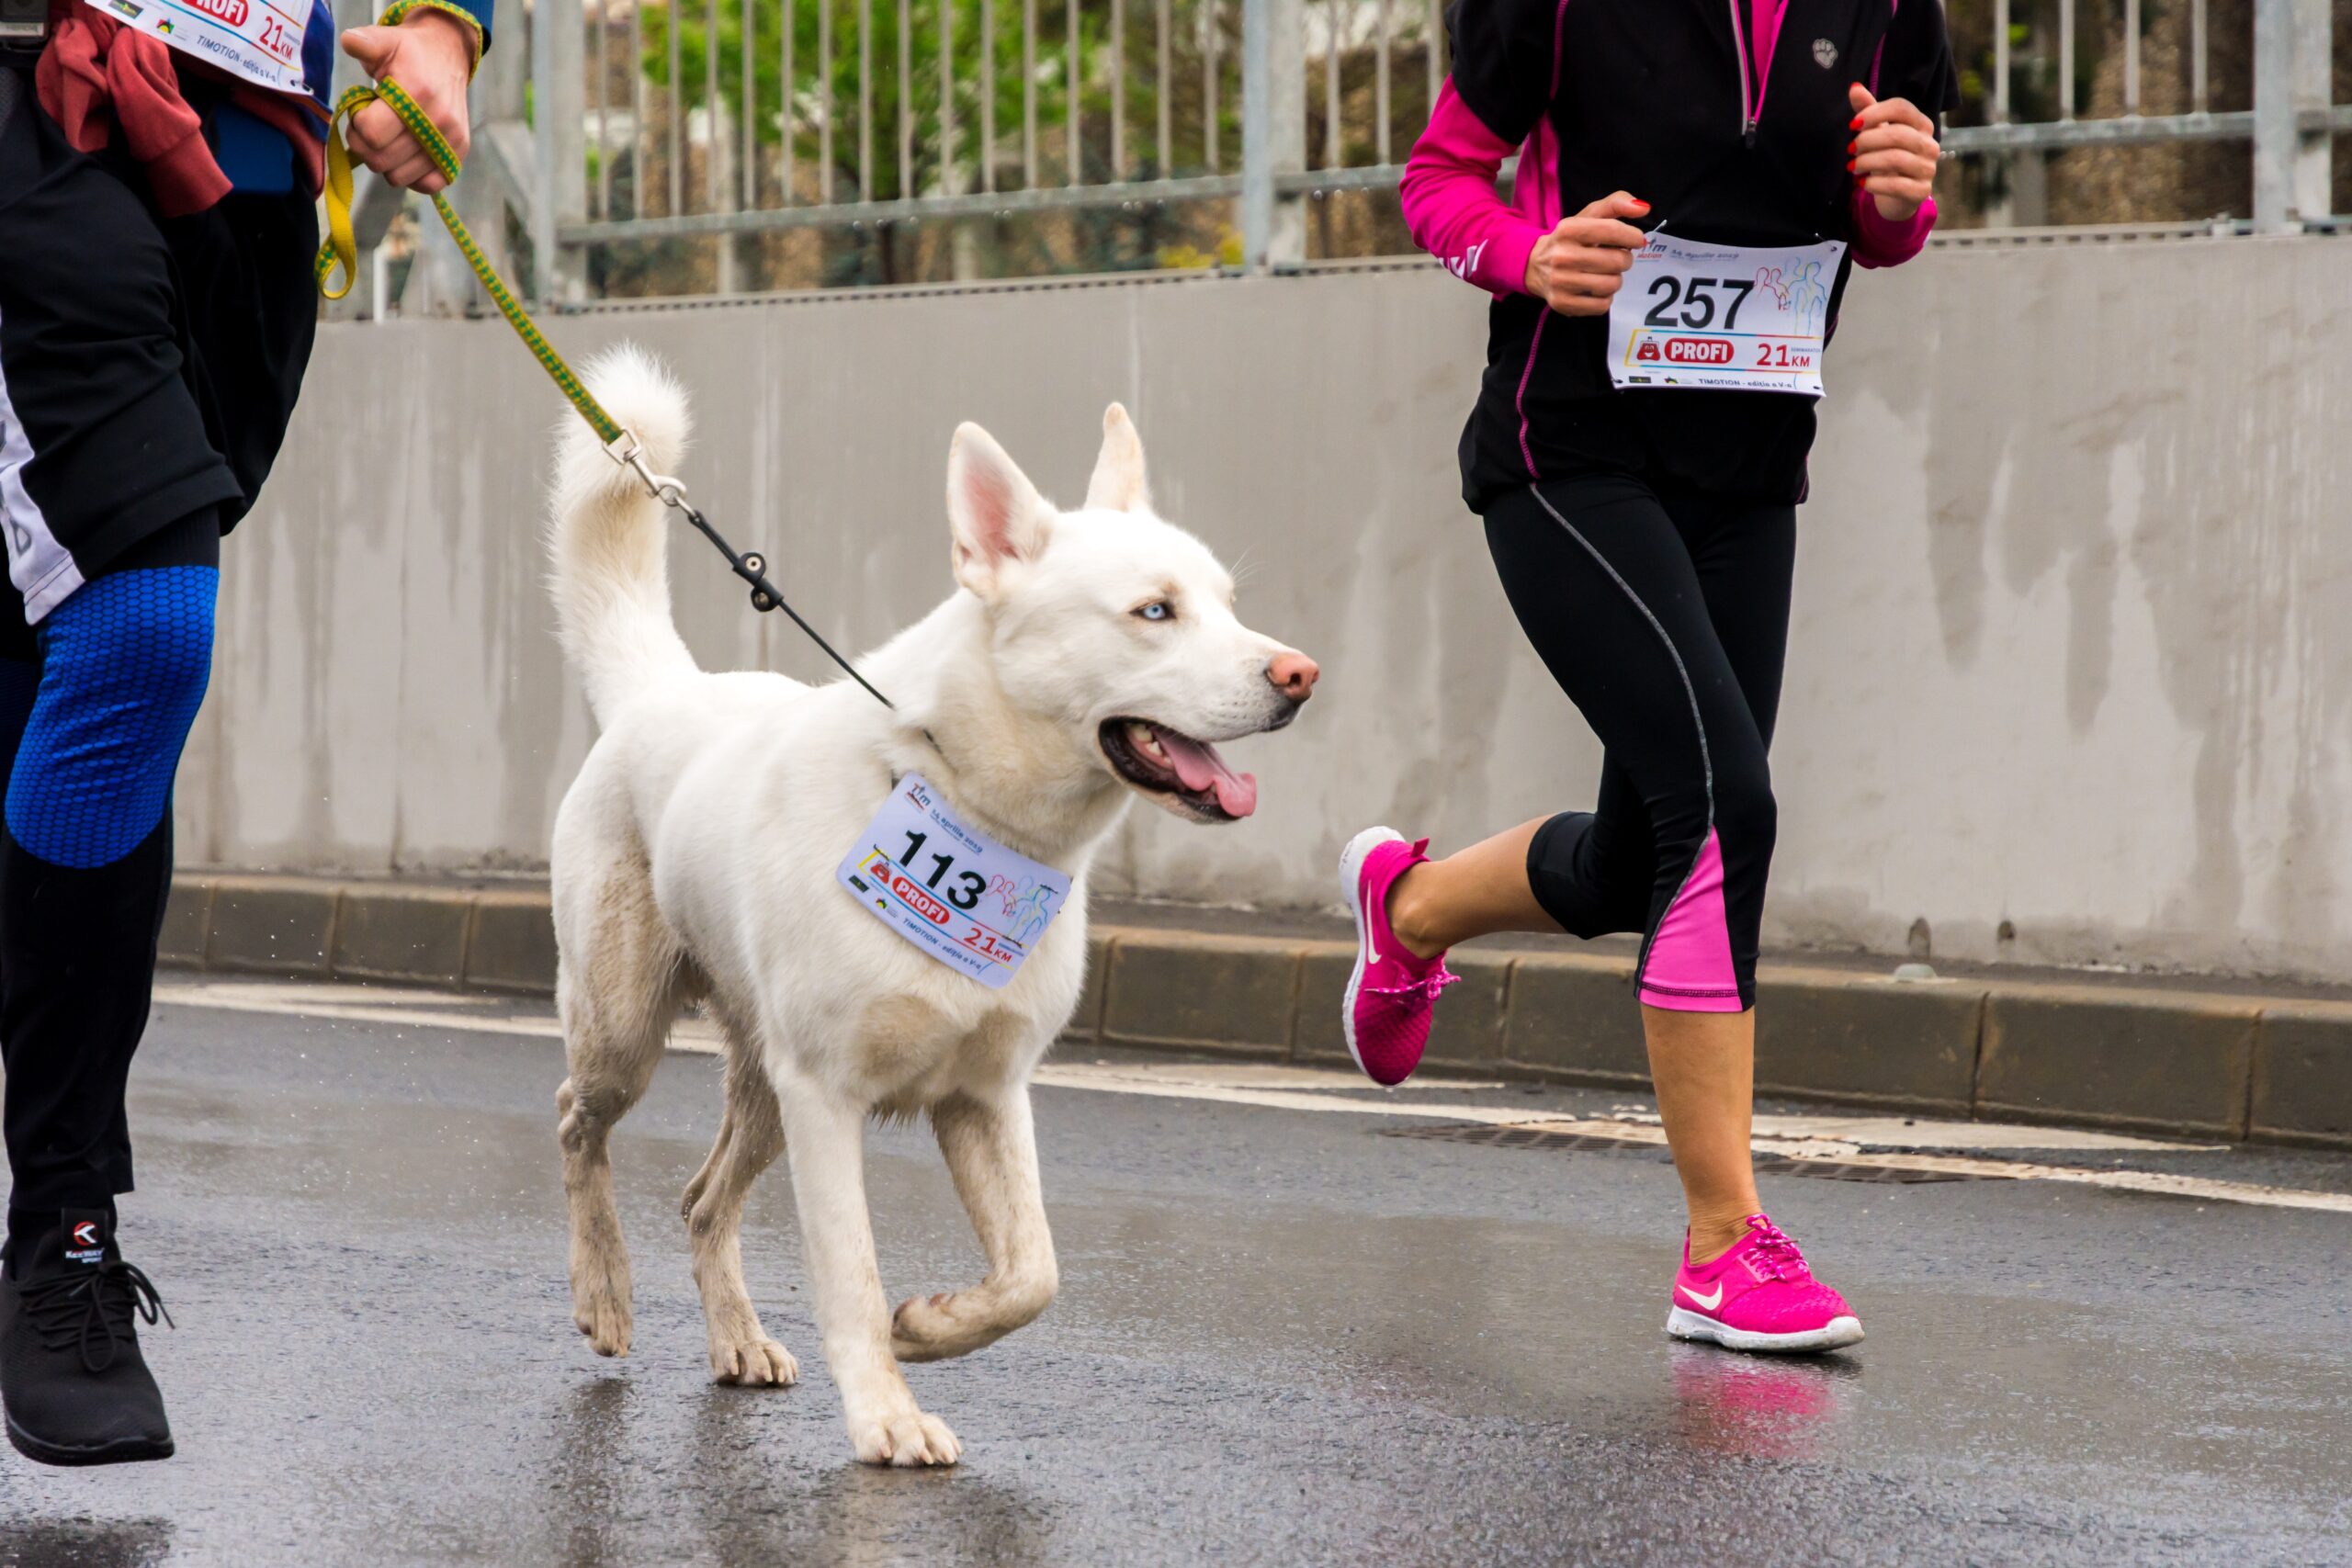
1697 301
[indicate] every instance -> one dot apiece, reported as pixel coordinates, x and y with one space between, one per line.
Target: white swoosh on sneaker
1707 1303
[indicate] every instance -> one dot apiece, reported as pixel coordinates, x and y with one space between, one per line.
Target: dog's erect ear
1118 481
994 511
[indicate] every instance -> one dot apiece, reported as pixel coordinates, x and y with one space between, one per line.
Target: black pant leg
85 859
1604 584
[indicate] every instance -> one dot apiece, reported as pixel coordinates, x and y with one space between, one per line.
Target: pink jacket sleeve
1877 242
1452 207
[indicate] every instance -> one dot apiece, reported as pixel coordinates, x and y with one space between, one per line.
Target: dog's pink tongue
1201 768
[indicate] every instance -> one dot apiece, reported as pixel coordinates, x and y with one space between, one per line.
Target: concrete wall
2072 661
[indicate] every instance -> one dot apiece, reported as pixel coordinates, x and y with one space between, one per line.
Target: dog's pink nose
1293 674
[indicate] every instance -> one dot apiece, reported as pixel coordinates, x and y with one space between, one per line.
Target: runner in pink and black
1695 181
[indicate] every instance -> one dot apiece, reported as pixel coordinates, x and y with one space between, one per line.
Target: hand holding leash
434 53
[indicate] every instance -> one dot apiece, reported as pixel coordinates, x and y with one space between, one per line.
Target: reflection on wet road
1282 1338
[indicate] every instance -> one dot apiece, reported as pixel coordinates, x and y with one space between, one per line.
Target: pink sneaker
1391 995
1760 1296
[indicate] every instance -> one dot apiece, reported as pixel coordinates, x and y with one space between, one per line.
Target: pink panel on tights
1690 967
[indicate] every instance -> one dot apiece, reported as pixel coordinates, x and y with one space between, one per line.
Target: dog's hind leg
751 1135
991 1149
620 982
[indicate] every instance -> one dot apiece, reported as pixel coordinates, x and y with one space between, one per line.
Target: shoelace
93 1306
1777 1255
1429 985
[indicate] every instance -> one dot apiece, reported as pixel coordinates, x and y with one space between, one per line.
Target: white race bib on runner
949 888
1737 318
255 40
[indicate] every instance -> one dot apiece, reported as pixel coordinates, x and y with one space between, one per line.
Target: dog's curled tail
606 536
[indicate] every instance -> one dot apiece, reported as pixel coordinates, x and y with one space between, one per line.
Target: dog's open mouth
1161 760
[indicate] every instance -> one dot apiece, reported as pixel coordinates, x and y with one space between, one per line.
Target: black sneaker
77 1388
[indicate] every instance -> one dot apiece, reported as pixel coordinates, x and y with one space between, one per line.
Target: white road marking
467 1014
1900 1133
1885 1142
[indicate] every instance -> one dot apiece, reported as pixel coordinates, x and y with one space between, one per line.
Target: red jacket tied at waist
98 76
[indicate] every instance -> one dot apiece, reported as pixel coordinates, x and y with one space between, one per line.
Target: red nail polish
1852 145
1856 124
1849 165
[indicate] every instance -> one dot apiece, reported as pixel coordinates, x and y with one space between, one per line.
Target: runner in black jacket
157 310
1637 451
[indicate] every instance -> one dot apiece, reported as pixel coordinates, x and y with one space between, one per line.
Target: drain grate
1766 1165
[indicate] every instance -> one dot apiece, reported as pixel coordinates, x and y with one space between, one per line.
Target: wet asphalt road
1283 1338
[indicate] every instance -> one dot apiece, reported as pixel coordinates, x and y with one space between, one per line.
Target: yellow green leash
341 247
340 251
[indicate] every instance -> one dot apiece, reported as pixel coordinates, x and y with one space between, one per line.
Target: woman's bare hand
1578 267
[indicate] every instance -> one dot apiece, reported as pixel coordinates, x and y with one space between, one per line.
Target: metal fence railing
691 140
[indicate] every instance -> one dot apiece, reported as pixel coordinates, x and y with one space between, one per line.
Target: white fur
693 861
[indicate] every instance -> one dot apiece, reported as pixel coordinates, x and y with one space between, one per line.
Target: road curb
2152 1057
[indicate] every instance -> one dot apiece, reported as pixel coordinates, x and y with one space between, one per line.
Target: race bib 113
1734 318
949 888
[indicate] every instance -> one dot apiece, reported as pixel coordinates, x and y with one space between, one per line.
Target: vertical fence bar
947 98
636 131
1274 130
1029 95
866 100
2065 59
1118 90
987 93
1257 145
597 76
783 110
2293 151
677 106
2314 89
1073 89
1435 28
1285 61
1380 93
2131 56
1331 156
1163 27
2000 62
906 102
825 102
559 91
2200 96
714 109
747 180
1210 38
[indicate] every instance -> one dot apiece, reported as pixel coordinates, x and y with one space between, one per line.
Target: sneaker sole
1351 861
1836 1335
125 1453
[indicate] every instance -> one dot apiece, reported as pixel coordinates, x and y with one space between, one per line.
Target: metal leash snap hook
626 450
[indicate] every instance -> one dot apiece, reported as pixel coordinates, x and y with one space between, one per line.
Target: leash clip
626 450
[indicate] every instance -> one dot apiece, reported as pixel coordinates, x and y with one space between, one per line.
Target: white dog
1087 657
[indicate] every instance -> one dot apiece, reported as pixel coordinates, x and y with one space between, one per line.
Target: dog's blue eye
1158 610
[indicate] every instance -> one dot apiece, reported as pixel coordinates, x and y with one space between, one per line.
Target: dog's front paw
926 1328
904 1439
604 1319
760 1362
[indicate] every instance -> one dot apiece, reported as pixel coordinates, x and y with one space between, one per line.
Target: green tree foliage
812 90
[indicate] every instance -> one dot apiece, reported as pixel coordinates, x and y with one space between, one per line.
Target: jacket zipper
1739 45
1751 97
